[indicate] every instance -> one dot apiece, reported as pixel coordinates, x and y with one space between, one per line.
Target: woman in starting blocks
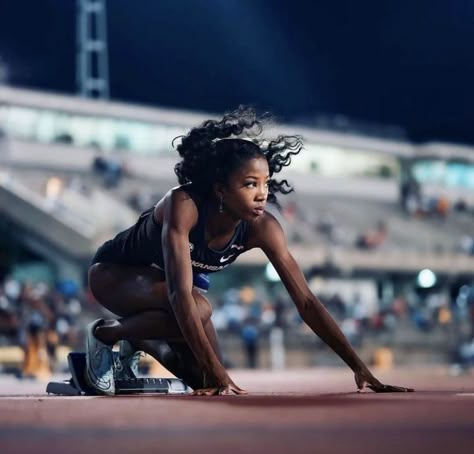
153 275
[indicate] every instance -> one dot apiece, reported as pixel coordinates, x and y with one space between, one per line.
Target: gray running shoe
99 361
126 364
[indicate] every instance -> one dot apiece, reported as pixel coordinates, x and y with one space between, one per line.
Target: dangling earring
221 208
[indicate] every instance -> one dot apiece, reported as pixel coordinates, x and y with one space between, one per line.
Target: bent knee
100 276
94 276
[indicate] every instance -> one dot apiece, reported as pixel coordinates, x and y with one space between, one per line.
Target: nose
262 192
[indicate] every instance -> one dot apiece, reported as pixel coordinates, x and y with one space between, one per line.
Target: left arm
273 243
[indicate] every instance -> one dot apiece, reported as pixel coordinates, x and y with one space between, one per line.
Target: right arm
180 215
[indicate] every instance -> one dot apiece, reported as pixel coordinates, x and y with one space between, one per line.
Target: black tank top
141 243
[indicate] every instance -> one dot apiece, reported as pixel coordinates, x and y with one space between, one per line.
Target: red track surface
286 412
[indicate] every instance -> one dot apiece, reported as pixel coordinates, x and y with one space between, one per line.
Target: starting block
77 385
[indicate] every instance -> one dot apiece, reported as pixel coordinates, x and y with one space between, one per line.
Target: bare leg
139 296
177 357
212 336
146 325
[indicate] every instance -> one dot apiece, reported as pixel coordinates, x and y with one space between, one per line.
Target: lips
258 210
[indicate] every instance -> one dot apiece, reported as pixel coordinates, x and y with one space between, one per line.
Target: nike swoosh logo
224 259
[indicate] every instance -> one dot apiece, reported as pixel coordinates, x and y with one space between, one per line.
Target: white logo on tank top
224 259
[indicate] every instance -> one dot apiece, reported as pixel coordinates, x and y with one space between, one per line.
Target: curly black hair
211 152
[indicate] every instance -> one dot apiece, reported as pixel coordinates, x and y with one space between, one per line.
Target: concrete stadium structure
46 135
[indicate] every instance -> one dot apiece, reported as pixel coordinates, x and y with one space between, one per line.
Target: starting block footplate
77 385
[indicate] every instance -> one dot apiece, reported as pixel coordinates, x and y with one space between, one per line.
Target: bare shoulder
266 232
178 208
179 195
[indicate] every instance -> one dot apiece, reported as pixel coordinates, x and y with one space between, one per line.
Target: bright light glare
426 278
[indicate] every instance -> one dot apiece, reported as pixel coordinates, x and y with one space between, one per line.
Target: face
245 194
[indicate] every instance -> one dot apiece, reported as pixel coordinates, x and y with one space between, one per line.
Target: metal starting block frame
77 385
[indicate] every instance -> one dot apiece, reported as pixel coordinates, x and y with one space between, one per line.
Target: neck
219 223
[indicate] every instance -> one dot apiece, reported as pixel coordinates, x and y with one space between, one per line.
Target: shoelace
98 356
135 359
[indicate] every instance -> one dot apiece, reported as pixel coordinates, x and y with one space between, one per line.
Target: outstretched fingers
364 379
380 388
205 392
219 391
235 389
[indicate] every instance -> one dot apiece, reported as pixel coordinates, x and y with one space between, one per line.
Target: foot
99 361
126 365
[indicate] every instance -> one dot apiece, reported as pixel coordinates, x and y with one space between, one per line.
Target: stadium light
426 278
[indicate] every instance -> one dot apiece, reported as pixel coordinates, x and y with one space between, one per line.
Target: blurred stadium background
381 225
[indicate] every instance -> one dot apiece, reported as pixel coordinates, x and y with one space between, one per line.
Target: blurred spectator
267 317
461 206
250 334
374 239
470 309
277 336
8 317
290 211
53 190
36 317
280 312
410 194
442 206
463 308
251 325
336 306
77 185
233 311
143 199
434 206
422 318
351 329
400 307
466 244
39 318
444 316
109 169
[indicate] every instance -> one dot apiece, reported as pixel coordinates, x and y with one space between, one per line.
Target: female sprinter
153 274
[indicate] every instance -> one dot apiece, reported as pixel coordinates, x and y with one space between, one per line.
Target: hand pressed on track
226 390
364 379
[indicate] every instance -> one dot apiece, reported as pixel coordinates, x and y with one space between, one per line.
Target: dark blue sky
409 63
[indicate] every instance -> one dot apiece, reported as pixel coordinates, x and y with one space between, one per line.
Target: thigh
127 290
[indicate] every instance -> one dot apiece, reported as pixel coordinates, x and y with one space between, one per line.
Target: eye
250 184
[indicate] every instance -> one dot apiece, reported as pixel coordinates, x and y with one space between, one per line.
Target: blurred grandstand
382 227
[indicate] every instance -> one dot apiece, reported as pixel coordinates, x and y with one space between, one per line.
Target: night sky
407 63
